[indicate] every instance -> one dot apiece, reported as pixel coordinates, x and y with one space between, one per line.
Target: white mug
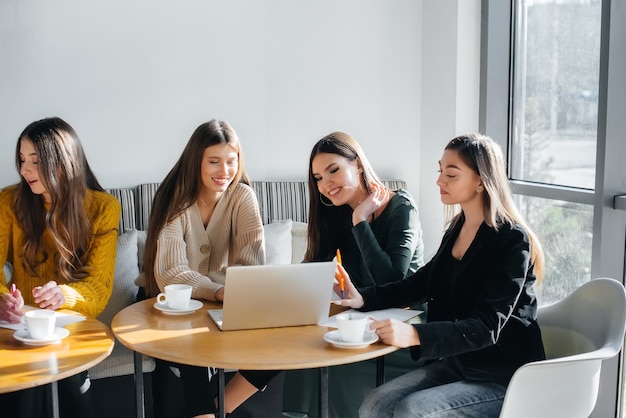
176 296
40 323
352 326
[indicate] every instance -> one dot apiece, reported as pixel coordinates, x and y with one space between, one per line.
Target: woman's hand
11 306
374 201
353 298
396 333
49 296
219 294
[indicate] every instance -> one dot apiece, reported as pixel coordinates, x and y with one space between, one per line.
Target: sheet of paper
391 313
63 319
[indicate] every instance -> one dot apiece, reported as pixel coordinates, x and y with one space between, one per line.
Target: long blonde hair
484 156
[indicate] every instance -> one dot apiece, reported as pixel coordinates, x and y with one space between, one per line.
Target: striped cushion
127 200
278 200
144 194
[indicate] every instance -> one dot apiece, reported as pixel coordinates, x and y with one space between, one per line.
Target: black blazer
482 310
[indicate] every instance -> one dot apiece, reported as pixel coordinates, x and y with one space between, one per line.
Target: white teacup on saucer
176 296
352 326
40 323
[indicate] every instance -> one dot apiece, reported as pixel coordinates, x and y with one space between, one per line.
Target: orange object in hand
340 276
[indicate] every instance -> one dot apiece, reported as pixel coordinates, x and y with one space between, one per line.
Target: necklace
203 202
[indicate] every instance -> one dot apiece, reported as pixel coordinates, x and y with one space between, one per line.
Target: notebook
280 295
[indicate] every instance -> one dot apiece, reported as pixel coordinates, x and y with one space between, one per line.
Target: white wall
135 78
450 96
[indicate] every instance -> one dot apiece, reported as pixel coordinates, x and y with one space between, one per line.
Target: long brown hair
65 174
328 224
179 190
484 156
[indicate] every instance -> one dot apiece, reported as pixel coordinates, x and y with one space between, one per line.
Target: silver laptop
280 295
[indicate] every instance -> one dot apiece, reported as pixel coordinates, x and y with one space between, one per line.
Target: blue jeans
434 391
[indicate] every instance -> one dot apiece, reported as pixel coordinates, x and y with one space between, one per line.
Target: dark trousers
193 393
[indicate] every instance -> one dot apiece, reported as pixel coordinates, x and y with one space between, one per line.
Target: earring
479 189
324 203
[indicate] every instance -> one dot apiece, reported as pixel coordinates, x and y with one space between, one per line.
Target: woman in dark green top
378 233
376 229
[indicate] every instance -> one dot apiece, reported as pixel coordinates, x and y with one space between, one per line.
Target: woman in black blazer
479 288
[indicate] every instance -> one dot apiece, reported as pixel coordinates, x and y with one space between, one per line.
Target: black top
389 248
482 309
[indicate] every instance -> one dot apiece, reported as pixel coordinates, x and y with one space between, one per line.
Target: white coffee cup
352 326
40 323
176 296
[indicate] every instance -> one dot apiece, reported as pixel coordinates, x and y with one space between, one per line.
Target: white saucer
194 305
333 338
24 336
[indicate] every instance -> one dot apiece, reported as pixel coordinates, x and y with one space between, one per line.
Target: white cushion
126 271
298 241
278 242
141 246
121 362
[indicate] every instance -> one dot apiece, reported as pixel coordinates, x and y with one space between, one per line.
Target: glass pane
555 91
565 231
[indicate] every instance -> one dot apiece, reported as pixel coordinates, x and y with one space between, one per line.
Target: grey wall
135 78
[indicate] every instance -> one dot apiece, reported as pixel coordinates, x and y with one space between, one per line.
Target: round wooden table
24 366
194 339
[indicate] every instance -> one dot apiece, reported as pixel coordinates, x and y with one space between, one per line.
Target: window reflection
565 230
555 91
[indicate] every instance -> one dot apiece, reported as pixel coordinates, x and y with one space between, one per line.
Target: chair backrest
578 333
278 200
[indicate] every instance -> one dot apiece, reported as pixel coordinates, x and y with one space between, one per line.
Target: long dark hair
484 156
66 175
180 188
329 224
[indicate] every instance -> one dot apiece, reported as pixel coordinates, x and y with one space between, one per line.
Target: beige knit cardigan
187 252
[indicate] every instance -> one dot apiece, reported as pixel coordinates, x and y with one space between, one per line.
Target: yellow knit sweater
88 296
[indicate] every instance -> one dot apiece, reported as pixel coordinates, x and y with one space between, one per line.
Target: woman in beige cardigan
204 218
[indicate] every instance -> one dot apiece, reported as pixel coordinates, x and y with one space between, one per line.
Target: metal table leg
323 395
139 392
380 370
54 392
220 393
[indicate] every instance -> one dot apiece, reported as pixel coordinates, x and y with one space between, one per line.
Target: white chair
579 332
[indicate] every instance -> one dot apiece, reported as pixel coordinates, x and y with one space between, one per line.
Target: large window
554 115
553 92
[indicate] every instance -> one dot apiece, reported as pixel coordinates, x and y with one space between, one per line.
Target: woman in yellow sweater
58 231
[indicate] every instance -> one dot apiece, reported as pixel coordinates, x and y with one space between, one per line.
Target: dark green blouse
389 248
